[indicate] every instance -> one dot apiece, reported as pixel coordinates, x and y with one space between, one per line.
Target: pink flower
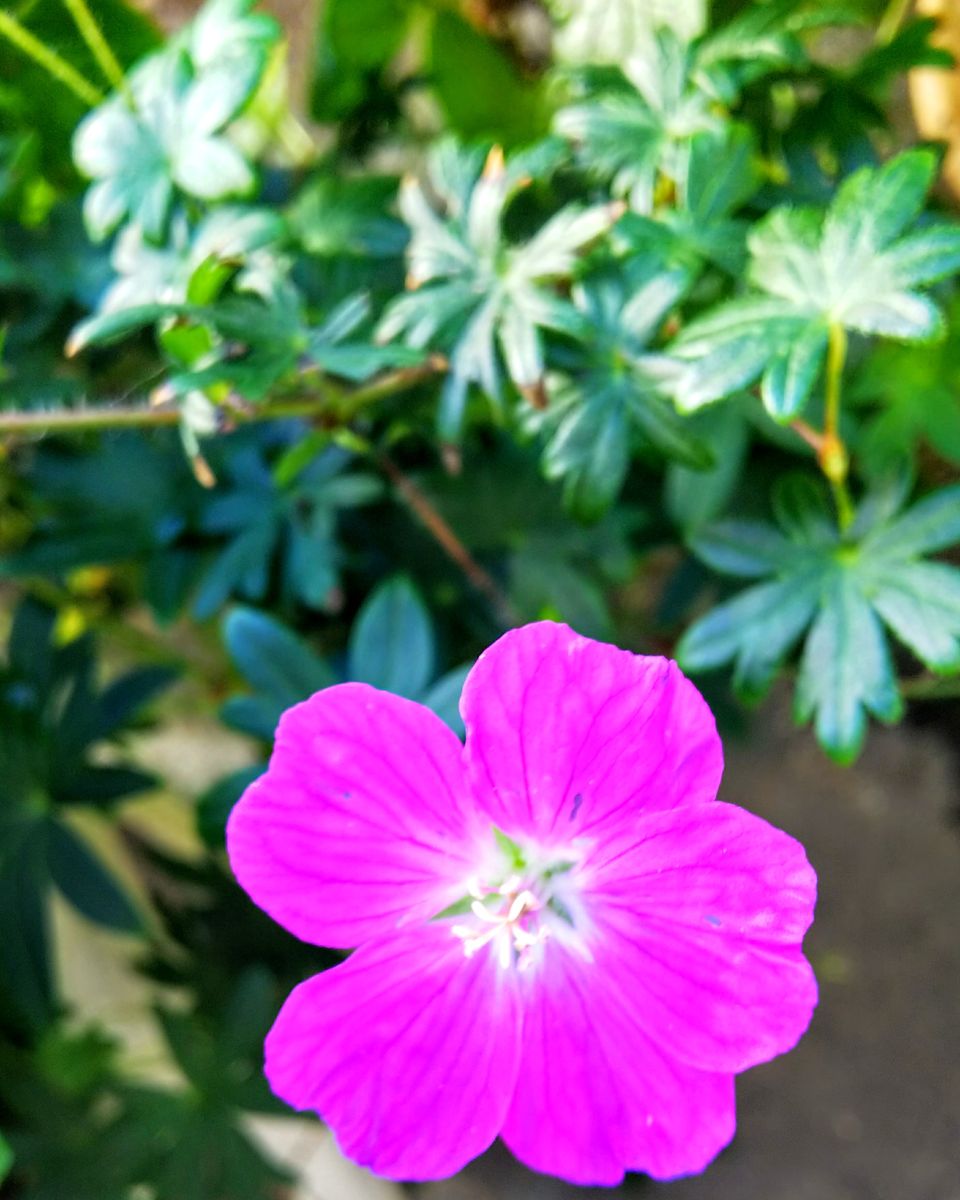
562 937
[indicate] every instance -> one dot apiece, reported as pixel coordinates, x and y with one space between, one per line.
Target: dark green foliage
52 717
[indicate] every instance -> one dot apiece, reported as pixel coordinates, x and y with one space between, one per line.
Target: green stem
890 22
49 60
836 357
925 687
99 47
324 401
833 457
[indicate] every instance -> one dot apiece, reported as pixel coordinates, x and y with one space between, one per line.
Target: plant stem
448 541
890 22
836 357
926 687
49 60
99 47
811 436
325 401
832 455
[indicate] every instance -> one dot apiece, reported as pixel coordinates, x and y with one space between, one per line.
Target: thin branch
931 687
98 45
813 437
448 541
30 45
324 401
889 26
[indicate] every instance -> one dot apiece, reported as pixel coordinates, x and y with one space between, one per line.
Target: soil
868 1106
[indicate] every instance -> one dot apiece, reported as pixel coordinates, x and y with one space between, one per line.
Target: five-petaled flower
560 935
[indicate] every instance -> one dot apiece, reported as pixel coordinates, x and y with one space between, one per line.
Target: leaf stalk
98 45
51 62
832 453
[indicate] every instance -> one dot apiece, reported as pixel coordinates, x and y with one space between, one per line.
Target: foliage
853 267
52 716
644 320
840 592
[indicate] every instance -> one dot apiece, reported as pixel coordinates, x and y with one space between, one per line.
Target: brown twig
811 436
325 400
448 541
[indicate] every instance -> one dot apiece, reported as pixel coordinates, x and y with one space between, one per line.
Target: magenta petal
701 914
361 822
597 1096
566 735
409 1051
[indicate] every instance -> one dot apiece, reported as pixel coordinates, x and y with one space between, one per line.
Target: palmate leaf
698 223
613 396
264 525
483 299
630 133
633 130
54 720
858 266
839 595
171 137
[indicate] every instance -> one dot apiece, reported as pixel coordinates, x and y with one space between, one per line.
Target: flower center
508 921
526 899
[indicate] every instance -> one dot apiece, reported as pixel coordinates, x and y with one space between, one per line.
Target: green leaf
443 698
392 642
932 524
757 629
589 446
87 883
853 266
171 137
6 1158
749 549
26 983
803 510
846 671
73 784
845 591
611 31
729 348
481 92
790 377
277 663
476 290
930 254
921 605
631 136
216 803
355 43
127 696
335 216
614 394
107 327
695 496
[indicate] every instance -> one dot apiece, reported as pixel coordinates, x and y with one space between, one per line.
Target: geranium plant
637 319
